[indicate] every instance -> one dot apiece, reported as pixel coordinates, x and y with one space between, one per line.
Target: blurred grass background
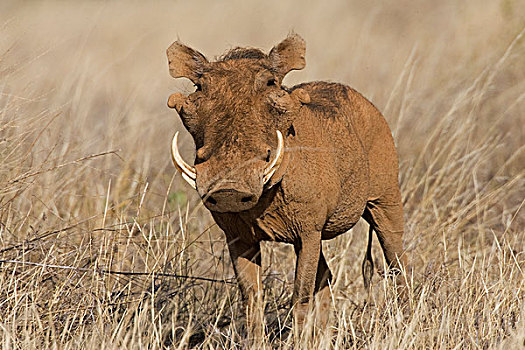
86 181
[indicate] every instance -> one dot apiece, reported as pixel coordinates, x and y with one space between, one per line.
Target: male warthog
294 165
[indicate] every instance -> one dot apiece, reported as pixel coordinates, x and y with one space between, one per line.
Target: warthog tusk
187 171
274 165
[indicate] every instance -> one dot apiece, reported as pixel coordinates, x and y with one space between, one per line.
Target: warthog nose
211 200
247 199
229 200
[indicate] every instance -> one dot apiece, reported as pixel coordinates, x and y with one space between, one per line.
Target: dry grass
87 188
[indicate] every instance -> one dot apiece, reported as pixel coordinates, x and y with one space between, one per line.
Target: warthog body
338 162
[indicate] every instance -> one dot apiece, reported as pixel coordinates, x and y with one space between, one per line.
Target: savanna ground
100 237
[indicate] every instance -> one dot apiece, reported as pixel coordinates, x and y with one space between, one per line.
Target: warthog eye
271 82
291 131
268 156
198 87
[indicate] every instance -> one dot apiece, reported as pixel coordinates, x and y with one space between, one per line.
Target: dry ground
99 237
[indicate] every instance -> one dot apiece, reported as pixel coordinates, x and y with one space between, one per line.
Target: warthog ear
185 62
288 55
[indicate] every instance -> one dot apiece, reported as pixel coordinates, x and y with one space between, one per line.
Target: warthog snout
232 188
230 199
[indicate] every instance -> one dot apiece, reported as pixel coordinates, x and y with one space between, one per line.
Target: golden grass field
100 238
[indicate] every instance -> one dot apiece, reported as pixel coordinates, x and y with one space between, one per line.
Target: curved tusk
187 171
274 165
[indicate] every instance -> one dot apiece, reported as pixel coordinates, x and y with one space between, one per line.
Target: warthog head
237 117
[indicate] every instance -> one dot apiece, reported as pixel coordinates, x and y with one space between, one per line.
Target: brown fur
340 163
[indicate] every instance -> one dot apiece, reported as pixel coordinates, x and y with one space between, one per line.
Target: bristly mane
241 52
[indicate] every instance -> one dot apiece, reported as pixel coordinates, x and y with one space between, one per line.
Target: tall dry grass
102 245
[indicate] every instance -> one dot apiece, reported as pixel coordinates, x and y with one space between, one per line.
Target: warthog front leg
308 252
246 260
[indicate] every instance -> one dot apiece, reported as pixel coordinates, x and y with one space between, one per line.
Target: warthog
294 165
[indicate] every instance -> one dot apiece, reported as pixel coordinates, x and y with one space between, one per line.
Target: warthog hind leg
386 218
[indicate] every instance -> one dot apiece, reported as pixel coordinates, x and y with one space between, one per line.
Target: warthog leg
308 263
386 218
246 259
